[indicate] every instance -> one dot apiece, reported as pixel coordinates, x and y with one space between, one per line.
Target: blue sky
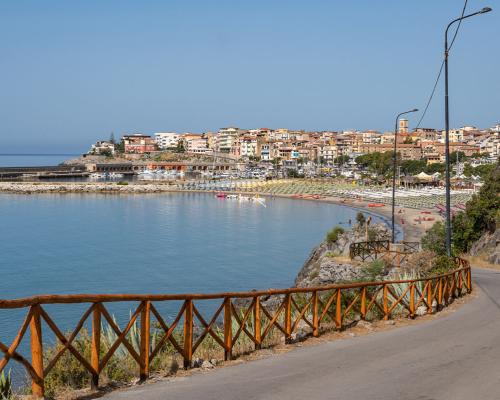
73 71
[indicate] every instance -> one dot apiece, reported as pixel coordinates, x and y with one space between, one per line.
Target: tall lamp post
395 162
447 127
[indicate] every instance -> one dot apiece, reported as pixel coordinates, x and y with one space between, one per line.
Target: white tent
423 177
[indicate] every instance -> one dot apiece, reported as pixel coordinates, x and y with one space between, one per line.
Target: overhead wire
441 68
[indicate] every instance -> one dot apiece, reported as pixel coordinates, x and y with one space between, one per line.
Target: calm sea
174 243
33 160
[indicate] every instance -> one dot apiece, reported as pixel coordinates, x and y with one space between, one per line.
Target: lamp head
414 110
485 10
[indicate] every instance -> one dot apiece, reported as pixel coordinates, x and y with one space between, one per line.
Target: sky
72 72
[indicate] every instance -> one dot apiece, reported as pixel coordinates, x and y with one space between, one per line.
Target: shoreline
408 219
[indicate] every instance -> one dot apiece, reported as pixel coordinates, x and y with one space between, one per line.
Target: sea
155 243
33 160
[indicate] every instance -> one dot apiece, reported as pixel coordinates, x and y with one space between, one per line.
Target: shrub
434 239
333 235
373 270
122 183
442 265
360 218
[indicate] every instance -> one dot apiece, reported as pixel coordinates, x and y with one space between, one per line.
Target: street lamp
447 127
394 161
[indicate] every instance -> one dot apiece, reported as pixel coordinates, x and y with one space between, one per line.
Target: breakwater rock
84 187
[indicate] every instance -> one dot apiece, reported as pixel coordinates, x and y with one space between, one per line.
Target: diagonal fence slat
66 342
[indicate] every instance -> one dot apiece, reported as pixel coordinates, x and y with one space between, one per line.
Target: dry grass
479 262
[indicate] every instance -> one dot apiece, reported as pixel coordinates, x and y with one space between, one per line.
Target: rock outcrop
329 263
488 247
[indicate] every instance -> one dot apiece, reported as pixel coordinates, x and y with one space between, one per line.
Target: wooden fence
368 251
237 314
374 250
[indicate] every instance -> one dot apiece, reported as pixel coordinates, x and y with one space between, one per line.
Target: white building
102 147
248 147
226 138
167 140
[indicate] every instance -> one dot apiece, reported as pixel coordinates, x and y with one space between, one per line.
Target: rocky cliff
488 247
329 262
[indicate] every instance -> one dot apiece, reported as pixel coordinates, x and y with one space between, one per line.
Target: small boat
221 195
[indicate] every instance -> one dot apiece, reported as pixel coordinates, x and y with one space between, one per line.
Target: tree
481 213
360 218
180 147
413 167
112 138
120 147
460 155
436 167
379 163
342 159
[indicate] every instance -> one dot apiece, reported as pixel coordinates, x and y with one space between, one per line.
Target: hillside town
325 147
301 150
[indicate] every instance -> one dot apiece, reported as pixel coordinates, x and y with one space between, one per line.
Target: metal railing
238 314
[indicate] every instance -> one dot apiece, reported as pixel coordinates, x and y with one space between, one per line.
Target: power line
441 68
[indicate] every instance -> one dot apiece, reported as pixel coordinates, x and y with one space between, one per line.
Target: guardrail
318 308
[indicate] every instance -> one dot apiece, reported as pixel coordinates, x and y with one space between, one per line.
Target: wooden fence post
96 345
188 333
386 302
338 310
37 384
440 294
315 321
429 296
257 324
363 303
288 317
145 340
412 300
469 280
228 330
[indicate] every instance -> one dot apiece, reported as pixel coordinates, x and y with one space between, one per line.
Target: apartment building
226 138
166 140
139 143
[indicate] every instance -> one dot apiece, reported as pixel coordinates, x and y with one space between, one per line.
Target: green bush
442 265
373 270
333 235
435 239
122 183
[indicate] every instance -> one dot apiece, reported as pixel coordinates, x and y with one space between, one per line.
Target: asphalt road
454 357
